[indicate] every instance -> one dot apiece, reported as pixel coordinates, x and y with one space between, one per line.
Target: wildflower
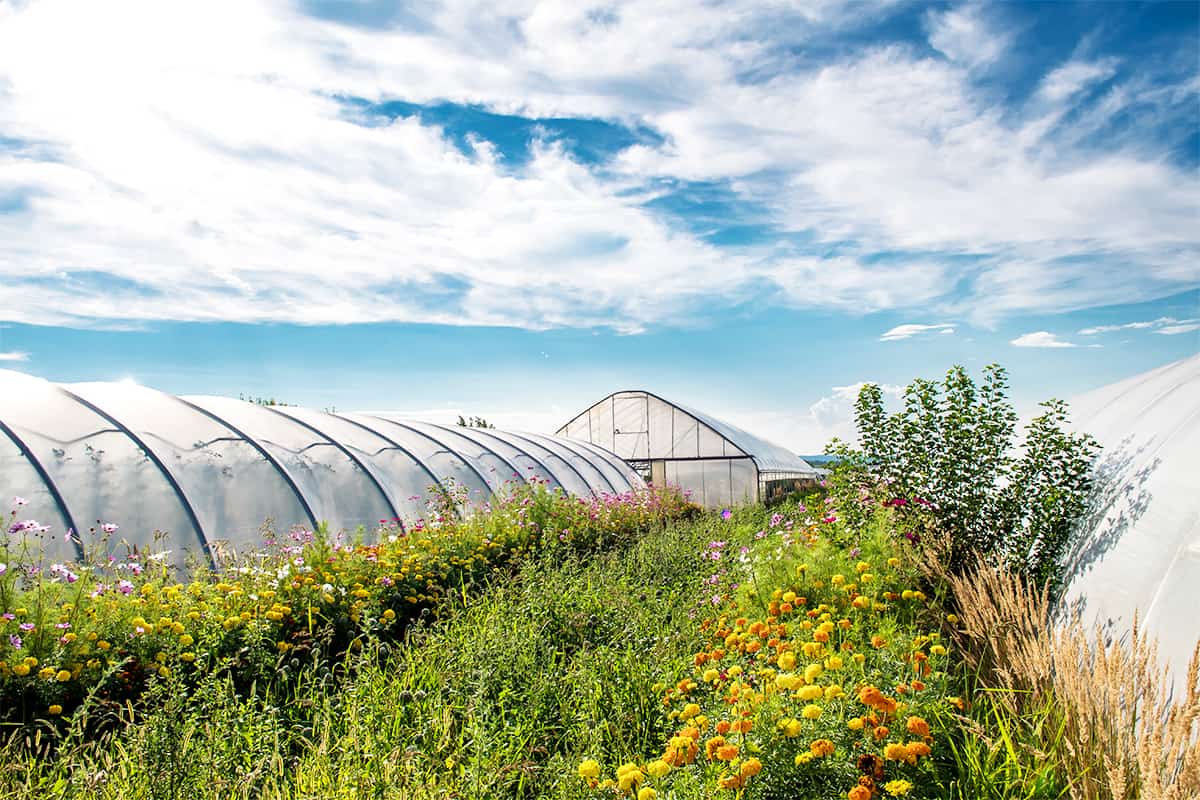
937 650
658 768
14 641
821 748
63 676
55 710
109 527
646 793
589 770
125 587
895 752
859 793
629 776
726 513
20 670
918 726
898 787
855 724
811 711
751 767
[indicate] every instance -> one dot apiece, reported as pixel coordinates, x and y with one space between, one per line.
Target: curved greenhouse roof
719 463
208 472
1139 549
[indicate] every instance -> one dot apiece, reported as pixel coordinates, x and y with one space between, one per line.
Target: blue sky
749 207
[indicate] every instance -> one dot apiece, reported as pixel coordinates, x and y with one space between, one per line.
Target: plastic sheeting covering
1138 551
719 464
201 475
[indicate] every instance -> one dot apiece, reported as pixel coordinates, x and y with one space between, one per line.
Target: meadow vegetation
841 645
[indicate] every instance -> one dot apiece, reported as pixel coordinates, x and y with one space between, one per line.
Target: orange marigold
917 726
821 748
859 793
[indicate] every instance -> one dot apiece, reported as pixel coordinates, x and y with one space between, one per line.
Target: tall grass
1062 701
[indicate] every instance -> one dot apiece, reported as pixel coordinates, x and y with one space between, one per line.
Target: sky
439 208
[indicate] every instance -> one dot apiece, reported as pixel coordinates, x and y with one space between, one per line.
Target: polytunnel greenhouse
719 464
206 473
1137 554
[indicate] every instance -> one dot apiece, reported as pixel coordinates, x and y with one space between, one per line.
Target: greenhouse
1138 553
204 474
720 465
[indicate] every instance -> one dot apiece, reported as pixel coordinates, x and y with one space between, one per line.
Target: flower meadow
630 646
109 627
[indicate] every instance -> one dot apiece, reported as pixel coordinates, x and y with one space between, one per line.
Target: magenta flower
125 587
27 626
14 641
109 527
726 513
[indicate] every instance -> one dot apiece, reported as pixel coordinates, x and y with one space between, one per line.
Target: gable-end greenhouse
206 473
718 463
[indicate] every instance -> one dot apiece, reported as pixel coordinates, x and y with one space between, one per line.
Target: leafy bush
949 463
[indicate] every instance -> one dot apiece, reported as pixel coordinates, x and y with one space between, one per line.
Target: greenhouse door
631 429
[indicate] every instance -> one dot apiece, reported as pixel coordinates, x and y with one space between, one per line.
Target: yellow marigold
937 650
711 675
834 691
787 660
811 692
188 656
803 758
751 767
658 768
689 711
895 752
791 728
186 640
589 769
838 580
834 663
898 787
646 793
55 710
859 658
811 711
821 748
812 672
855 723
629 776
20 670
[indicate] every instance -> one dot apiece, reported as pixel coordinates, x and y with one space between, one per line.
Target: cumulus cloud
1041 339
908 331
214 163
14 355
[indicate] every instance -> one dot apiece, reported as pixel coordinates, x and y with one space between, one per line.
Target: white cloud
964 36
1040 339
198 165
808 432
1185 326
908 331
1167 326
14 355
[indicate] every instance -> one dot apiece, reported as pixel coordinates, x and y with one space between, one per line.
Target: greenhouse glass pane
402 477
338 490
102 475
527 466
631 426
19 478
661 436
450 468
596 480
717 486
232 488
567 478
744 480
689 476
711 443
615 477
685 442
